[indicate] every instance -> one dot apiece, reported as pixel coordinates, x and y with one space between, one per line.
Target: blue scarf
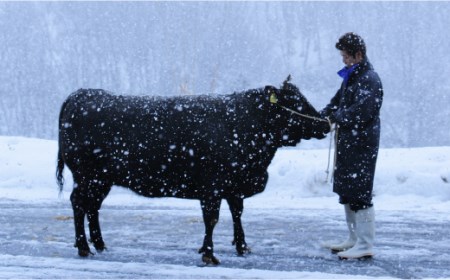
345 72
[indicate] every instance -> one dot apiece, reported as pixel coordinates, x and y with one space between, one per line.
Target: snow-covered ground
157 238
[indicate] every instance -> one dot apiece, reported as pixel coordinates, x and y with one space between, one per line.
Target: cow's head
293 127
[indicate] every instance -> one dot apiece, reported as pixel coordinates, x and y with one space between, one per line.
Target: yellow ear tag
273 98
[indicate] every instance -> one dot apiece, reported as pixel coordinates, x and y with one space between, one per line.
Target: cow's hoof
101 249
99 245
83 249
243 250
210 260
85 253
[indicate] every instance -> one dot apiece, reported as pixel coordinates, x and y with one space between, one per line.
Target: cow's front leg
236 208
210 209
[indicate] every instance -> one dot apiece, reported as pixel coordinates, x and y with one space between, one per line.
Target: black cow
197 147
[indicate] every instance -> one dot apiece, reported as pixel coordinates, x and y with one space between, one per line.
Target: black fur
197 147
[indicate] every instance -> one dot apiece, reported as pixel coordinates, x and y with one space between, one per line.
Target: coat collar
345 72
355 71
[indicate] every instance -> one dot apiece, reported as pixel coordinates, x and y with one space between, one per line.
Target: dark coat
356 111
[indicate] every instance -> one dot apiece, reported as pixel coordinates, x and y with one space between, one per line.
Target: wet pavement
408 244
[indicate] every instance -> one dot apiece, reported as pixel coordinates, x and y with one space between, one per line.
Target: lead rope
329 154
305 116
274 101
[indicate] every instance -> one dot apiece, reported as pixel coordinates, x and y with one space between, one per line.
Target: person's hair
351 43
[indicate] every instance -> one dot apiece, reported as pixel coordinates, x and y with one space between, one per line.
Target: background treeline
50 49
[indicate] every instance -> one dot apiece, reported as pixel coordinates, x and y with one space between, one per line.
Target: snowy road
36 240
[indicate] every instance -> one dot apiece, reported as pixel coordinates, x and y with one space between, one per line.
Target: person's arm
366 106
328 111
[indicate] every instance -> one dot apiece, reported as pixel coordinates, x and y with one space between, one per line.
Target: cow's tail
59 171
60 159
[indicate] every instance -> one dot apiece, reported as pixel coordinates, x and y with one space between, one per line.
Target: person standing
355 112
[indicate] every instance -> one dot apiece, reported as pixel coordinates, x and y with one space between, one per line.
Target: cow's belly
162 187
157 180
181 184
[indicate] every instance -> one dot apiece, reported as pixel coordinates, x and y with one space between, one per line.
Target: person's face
349 60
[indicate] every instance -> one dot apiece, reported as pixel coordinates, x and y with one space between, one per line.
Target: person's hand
335 116
331 118
331 123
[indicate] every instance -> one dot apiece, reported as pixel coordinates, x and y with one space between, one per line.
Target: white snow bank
409 179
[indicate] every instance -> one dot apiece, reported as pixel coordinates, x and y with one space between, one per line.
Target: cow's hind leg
236 208
86 199
96 196
78 198
210 209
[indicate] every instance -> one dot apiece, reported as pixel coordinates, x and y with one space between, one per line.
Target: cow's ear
287 81
272 92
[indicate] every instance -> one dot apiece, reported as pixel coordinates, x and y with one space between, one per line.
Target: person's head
352 48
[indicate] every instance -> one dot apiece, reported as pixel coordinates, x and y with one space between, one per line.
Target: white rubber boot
351 240
365 232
